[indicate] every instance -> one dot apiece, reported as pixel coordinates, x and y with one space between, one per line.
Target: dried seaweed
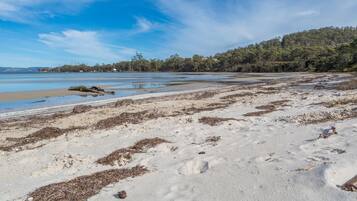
269 108
42 134
121 156
214 121
84 187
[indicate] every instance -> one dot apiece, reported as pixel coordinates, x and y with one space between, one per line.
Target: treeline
318 50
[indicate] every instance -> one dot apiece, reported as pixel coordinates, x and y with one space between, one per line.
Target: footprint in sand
266 158
61 162
195 166
180 192
342 175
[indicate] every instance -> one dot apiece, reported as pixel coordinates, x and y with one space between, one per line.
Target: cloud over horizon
85 44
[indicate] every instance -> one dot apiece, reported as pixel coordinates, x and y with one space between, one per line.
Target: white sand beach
256 142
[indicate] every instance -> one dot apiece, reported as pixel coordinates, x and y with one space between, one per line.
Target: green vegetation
318 50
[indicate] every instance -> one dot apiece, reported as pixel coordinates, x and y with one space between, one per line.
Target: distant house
115 70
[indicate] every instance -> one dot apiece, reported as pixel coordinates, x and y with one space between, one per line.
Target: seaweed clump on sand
269 108
125 118
81 109
83 187
214 121
347 85
42 134
121 156
124 102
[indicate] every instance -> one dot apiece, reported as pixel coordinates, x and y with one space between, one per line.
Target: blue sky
56 32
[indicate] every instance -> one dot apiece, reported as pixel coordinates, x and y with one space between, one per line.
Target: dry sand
227 143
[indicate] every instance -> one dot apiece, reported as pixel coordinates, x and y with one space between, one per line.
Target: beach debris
338 151
83 187
258 113
81 109
125 118
209 107
189 120
239 95
122 156
204 95
269 108
121 194
328 132
350 185
213 140
173 148
201 152
321 117
124 102
214 121
142 116
346 85
339 102
42 134
319 86
306 168
94 89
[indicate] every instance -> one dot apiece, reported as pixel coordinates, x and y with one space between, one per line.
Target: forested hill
320 37
318 50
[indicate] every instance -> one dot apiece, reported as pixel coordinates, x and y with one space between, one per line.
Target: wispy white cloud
308 13
28 11
85 44
144 25
208 26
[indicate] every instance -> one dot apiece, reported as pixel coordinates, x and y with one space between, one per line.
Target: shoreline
189 145
68 107
230 77
47 98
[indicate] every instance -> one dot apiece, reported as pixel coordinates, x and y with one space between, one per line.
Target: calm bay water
124 84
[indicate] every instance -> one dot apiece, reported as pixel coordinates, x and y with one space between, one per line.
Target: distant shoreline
37 99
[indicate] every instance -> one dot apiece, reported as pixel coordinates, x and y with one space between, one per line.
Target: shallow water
45 81
124 84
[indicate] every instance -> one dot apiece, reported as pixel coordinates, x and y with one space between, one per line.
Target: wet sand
13 96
